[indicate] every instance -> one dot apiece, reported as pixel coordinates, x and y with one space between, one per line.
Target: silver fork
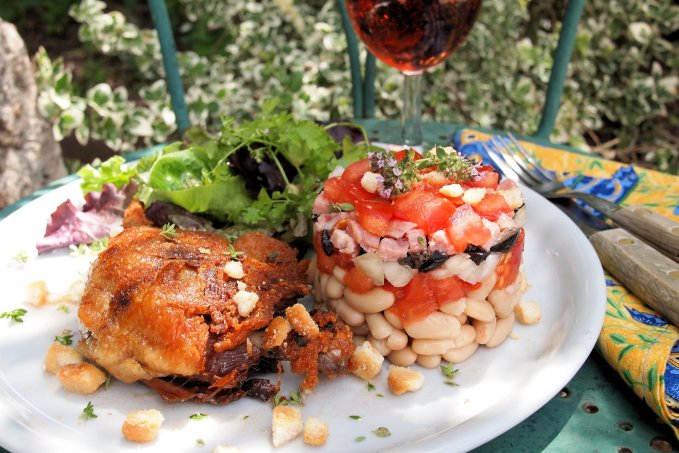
518 164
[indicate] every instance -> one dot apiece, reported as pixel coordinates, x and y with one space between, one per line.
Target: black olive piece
435 260
508 243
326 243
476 253
314 218
519 208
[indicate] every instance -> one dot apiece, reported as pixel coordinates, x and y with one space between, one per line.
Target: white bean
332 304
380 345
379 327
484 330
373 301
352 317
480 310
502 302
463 318
428 361
339 273
358 340
393 319
457 355
432 347
403 357
435 325
455 308
361 330
334 289
467 335
324 282
397 340
502 329
486 287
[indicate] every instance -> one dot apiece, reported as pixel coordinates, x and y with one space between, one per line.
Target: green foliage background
620 98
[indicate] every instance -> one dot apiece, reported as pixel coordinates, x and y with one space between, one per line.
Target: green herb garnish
235 255
21 257
66 337
371 387
341 207
421 240
382 432
16 315
449 372
355 417
89 249
295 399
197 416
88 412
200 442
379 395
64 308
168 231
359 439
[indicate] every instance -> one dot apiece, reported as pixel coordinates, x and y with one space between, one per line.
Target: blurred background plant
100 74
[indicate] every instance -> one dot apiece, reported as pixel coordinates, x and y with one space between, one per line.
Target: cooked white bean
457 355
502 302
484 330
334 289
373 301
379 327
502 329
393 319
358 339
435 325
455 308
397 340
332 304
403 357
361 330
324 282
352 317
486 287
339 273
463 318
480 310
467 335
432 347
380 345
428 361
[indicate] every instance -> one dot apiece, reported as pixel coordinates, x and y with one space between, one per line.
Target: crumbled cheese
435 178
370 182
246 301
234 269
474 195
513 197
451 190
241 285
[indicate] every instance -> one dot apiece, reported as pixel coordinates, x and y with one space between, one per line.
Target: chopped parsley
197 416
448 371
21 257
64 308
379 395
355 417
421 240
88 412
234 254
371 387
16 315
382 432
245 417
359 439
200 442
66 337
168 231
295 399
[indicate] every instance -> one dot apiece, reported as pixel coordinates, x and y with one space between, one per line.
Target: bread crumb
367 361
83 378
301 321
59 355
287 424
403 379
234 269
241 285
474 195
142 425
528 312
315 432
246 301
370 182
276 332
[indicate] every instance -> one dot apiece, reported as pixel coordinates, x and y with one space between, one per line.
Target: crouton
301 321
276 332
287 424
142 425
367 360
315 432
527 312
402 380
83 378
59 355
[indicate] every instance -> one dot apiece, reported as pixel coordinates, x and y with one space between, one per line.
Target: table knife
648 274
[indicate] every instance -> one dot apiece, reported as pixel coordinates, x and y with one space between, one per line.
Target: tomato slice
338 190
447 289
492 206
487 178
429 211
417 302
374 216
358 281
324 262
508 267
355 171
466 227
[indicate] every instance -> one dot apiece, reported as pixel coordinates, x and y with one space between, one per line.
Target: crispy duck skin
162 307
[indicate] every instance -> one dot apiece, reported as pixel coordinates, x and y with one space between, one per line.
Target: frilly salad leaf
110 172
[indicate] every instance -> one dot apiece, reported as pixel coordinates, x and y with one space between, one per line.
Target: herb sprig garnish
295 399
197 416
21 257
16 315
88 412
66 337
397 177
449 372
234 254
168 231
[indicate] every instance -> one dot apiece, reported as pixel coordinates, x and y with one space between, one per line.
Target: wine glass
411 36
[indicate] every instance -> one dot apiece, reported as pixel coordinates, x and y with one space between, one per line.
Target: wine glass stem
411 116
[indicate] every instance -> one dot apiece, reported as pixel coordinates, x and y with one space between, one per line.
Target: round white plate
498 388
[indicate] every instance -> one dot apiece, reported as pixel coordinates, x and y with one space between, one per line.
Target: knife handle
648 274
659 230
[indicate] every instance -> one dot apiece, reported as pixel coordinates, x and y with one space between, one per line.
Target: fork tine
528 170
527 157
504 152
499 160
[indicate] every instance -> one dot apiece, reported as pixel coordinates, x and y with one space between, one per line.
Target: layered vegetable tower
421 254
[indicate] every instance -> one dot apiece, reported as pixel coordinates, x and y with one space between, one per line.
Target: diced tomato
447 289
374 216
417 302
354 172
338 190
465 228
324 262
506 184
429 211
358 281
508 267
344 260
487 178
492 206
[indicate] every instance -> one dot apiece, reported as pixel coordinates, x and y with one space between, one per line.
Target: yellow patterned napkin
635 340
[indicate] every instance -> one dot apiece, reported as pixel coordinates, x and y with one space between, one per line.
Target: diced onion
372 265
399 276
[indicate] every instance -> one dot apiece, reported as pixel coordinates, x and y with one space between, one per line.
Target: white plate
498 388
